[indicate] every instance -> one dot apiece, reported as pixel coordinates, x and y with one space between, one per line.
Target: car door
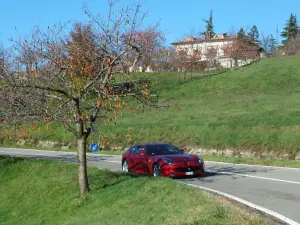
140 160
132 158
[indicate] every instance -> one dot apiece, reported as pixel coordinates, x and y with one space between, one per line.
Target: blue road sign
94 147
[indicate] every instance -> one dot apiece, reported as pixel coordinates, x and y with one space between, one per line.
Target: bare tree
1 59
75 76
162 59
232 32
186 57
149 41
265 42
211 54
240 50
292 46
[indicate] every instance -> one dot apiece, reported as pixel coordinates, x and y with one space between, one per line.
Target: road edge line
276 215
254 165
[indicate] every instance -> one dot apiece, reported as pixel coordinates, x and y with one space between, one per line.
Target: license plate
189 173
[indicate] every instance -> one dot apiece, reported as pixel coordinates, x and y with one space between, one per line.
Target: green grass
45 192
254 108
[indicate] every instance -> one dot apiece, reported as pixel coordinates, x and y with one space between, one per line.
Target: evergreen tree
209 25
241 34
254 35
272 46
291 29
272 43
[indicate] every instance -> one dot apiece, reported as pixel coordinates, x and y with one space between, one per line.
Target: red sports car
160 159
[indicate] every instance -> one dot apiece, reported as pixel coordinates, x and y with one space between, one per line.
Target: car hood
181 158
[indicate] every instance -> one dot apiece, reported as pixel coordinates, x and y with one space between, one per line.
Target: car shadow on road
233 172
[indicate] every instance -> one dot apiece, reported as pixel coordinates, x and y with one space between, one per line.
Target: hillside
252 108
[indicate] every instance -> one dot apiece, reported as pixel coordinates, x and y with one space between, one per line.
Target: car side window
138 149
151 150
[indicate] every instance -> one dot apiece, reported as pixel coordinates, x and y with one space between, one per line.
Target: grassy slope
41 192
253 108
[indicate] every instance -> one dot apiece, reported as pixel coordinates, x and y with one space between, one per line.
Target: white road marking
259 208
113 161
252 176
251 165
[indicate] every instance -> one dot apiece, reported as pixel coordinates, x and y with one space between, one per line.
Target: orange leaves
22 133
104 140
98 103
145 92
48 124
81 52
5 120
6 134
35 127
118 105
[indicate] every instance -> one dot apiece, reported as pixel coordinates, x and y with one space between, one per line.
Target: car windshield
162 149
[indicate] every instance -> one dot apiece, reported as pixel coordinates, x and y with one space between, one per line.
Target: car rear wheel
156 170
125 167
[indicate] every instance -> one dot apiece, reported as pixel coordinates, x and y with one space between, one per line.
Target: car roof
152 143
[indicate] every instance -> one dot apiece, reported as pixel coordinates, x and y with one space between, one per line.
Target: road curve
276 189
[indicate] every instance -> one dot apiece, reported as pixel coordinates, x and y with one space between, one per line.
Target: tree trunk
81 153
82 166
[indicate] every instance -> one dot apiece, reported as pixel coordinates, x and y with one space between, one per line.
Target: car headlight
168 162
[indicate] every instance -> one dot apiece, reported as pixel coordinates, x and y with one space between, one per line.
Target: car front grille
188 169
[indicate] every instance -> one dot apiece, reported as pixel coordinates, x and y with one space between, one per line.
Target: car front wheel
156 170
125 167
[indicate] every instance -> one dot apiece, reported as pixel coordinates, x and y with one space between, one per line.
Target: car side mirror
182 150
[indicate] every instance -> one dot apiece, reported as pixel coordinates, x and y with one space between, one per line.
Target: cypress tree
291 29
209 25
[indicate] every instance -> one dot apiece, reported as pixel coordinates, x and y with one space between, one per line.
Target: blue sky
177 17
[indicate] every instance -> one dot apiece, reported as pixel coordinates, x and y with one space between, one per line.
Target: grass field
44 192
254 108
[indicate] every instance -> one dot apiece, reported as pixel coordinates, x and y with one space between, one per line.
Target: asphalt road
276 189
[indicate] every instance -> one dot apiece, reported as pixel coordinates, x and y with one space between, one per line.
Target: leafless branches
292 47
241 50
73 79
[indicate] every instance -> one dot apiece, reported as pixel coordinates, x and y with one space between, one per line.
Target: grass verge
45 192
